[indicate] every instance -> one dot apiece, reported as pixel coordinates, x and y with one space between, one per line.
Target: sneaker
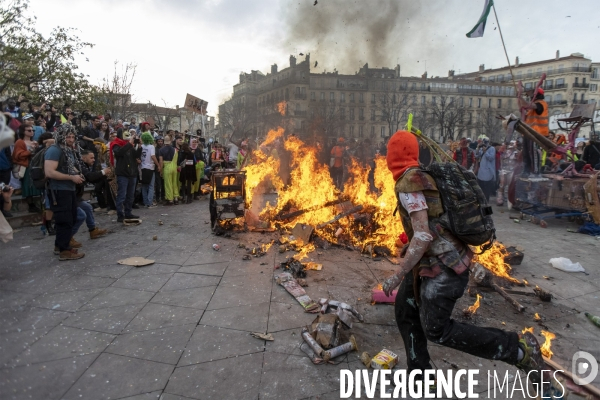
56 250
135 207
70 255
131 216
532 358
100 209
96 233
151 206
74 243
112 212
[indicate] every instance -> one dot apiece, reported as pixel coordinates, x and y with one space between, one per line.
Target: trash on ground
365 358
136 261
378 296
290 284
313 266
515 255
312 343
542 294
595 319
160 222
340 350
246 257
564 264
216 247
385 359
294 267
154 237
326 329
302 233
132 221
342 310
263 336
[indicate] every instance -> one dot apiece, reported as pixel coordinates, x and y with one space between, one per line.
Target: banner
195 104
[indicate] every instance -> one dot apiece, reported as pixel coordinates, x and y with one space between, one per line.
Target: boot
189 199
74 244
50 228
70 255
97 232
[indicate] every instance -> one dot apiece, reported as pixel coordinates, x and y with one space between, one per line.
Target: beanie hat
402 153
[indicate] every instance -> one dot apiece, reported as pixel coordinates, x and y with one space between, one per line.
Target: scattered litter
537 317
312 343
542 294
342 310
132 221
564 264
246 257
302 232
517 221
385 359
378 296
160 222
340 350
216 247
326 329
25 247
154 237
55 306
25 262
313 266
241 245
164 214
286 280
263 336
295 267
595 319
136 261
302 282
365 358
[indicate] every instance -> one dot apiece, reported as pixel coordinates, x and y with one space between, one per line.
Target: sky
201 46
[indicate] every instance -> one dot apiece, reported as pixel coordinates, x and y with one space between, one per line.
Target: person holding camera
125 155
62 167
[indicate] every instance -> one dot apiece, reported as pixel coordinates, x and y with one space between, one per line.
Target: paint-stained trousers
170 179
431 320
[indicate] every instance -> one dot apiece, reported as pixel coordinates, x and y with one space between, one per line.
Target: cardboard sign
195 104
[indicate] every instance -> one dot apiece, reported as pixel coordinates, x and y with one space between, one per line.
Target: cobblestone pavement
179 329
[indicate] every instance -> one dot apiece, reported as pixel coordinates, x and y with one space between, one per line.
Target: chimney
177 107
292 61
557 54
482 68
397 70
307 58
451 73
424 76
517 61
274 68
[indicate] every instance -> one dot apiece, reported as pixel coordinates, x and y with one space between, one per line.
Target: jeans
65 216
158 186
89 214
337 174
431 320
125 194
81 217
148 192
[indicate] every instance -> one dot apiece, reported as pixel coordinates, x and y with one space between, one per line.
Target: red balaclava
402 153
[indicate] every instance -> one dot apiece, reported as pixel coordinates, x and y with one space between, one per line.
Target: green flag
477 31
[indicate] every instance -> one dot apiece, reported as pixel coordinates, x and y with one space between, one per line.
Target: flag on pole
477 31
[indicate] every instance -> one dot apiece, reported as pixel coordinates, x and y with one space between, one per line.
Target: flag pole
504 46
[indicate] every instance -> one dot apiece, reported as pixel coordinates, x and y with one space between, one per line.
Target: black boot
189 199
50 228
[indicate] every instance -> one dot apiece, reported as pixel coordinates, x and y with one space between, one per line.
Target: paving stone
146 396
14 343
48 381
155 316
34 283
82 282
109 271
65 301
209 343
208 257
314 291
287 316
150 283
64 342
152 269
379 314
167 255
589 302
186 281
252 318
109 320
161 345
168 396
113 377
29 318
287 342
251 267
115 296
216 269
248 281
237 377
294 377
10 299
192 297
227 296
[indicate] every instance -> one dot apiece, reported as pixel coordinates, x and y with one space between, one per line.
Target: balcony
561 86
557 103
581 85
580 101
361 118
300 96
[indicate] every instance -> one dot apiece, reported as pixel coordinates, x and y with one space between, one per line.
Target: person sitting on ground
91 176
62 167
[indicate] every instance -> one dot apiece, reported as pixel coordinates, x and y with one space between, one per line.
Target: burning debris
542 294
483 277
470 311
293 287
545 348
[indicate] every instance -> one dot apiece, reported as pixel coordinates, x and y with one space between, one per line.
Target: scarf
72 154
116 142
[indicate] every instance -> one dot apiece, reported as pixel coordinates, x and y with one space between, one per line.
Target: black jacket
91 176
126 160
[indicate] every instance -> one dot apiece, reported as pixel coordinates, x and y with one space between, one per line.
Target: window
479 102
538 72
372 115
492 78
499 103
595 74
361 113
560 83
583 81
461 101
312 96
303 92
312 112
297 89
361 98
593 87
423 100
470 102
433 100
342 113
489 103
576 80
414 100
361 131
561 68
352 114
342 97
422 86
372 99
351 97
529 73
383 131
413 86
550 70
548 84
351 130
558 98
372 131
331 97
528 85
548 98
322 97
519 75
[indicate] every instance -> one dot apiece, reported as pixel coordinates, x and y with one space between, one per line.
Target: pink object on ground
380 297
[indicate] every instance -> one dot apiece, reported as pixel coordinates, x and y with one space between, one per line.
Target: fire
310 187
545 348
472 309
525 282
530 330
303 252
281 106
537 317
493 259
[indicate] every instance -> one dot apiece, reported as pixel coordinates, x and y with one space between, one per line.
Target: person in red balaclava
433 274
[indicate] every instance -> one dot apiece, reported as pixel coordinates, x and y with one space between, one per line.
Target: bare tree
327 120
237 117
393 107
116 91
164 117
487 124
448 116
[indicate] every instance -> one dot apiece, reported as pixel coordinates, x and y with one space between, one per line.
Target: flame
472 309
530 330
379 287
281 106
311 186
545 348
493 259
525 282
537 317
303 252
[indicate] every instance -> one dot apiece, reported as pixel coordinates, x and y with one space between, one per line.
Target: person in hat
486 174
168 157
199 165
434 273
124 156
336 163
536 116
159 191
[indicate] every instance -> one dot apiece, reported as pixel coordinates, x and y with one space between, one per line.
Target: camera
4 187
48 107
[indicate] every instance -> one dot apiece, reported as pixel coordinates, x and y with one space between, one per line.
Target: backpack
36 168
466 212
